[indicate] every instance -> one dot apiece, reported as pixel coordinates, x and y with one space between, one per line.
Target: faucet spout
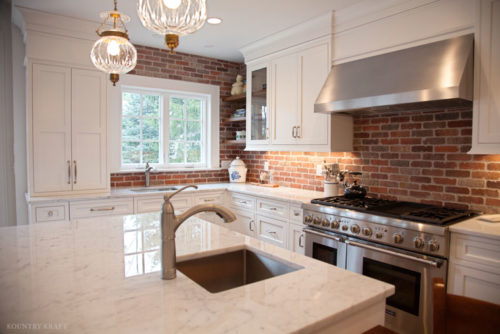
170 222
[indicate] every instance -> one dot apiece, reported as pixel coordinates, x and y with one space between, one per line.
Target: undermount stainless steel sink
226 271
145 190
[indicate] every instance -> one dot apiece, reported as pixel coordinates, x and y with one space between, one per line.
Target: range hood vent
435 75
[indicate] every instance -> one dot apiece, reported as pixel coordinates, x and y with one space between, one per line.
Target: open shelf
261 92
235 98
236 119
235 141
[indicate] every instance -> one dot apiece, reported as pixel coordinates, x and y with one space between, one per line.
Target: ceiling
244 22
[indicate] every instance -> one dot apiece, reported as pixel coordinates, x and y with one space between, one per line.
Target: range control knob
345 227
397 238
367 231
316 221
325 223
355 229
379 235
418 242
335 224
308 219
433 246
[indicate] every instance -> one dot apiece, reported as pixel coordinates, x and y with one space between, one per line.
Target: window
171 124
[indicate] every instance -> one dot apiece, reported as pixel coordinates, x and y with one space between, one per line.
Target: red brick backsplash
418 156
160 63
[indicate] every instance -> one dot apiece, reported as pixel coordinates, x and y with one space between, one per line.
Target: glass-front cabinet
257 104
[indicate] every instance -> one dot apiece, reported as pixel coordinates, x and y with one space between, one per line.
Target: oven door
409 310
325 246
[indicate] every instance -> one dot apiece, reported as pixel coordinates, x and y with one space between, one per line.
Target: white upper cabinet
69 131
486 121
294 78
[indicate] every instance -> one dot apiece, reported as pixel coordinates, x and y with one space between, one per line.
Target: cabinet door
273 231
258 104
89 119
51 123
244 223
486 137
297 242
313 127
474 283
285 99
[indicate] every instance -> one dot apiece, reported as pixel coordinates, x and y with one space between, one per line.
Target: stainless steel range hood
434 75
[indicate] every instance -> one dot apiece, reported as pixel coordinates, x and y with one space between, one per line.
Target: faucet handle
168 196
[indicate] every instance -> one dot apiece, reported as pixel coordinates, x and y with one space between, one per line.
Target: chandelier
172 18
113 53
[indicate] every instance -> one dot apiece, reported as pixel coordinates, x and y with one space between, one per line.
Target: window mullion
185 131
140 133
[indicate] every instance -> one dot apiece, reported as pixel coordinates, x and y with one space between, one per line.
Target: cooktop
425 213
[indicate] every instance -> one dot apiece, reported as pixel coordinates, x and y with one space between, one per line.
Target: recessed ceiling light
214 20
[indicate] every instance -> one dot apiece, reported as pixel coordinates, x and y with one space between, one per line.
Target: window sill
167 170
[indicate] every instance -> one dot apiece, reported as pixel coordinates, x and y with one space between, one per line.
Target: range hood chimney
435 75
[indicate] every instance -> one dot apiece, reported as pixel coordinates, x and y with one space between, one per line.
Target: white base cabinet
474 269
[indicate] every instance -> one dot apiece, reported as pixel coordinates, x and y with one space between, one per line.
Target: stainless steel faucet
170 223
147 172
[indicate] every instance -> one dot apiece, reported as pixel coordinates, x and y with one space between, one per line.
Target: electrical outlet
266 165
319 170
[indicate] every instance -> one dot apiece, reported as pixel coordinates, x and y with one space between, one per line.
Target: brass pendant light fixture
113 53
172 18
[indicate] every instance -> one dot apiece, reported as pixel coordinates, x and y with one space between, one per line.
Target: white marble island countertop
100 275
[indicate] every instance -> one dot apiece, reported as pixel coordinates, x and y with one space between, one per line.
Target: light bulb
113 48
172 4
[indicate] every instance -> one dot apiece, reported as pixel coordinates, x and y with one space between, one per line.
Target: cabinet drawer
272 209
476 250
272 230
50 213
238 201
296 214
209 198
154 203
105 207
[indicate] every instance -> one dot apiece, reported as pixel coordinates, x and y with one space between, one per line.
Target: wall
7 188
419 156
160 63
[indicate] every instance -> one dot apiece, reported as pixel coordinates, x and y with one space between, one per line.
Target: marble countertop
483 226
292 195
100 275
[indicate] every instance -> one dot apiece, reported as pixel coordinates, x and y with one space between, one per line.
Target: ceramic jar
237 171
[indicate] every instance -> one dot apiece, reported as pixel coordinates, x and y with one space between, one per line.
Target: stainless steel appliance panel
326 247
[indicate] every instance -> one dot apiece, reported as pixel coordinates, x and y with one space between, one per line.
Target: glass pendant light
113 53
172 18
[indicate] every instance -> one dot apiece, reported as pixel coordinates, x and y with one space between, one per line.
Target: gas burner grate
360 204
435 215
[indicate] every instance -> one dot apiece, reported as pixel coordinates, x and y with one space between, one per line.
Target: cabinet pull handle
250 225
209 200
300 240
243 202
293 131
69 171
297 135
273 234
76 171
273 209
110 208
296 214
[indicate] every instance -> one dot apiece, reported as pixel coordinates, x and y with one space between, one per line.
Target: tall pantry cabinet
67 108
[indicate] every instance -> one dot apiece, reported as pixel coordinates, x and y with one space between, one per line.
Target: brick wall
160 63
419 157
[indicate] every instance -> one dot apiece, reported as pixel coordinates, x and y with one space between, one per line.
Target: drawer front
476 250
154 204
98 208
296 214
272 209
209 198
241 202
51 213
473 283
272 230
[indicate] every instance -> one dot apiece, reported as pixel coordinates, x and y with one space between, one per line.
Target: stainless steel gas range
402 243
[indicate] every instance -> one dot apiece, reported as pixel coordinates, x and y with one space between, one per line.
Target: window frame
128 82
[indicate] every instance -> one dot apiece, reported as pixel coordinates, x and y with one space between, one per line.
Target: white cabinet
68 146
153 203
486 129
48 212
294 78
244 224
101 207
273 231
297 239
474 269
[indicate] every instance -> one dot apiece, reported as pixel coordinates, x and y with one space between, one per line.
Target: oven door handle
436 264
329 236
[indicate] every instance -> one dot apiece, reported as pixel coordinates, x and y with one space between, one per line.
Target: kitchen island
100 275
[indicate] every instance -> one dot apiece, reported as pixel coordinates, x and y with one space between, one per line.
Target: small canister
331 188
237 171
